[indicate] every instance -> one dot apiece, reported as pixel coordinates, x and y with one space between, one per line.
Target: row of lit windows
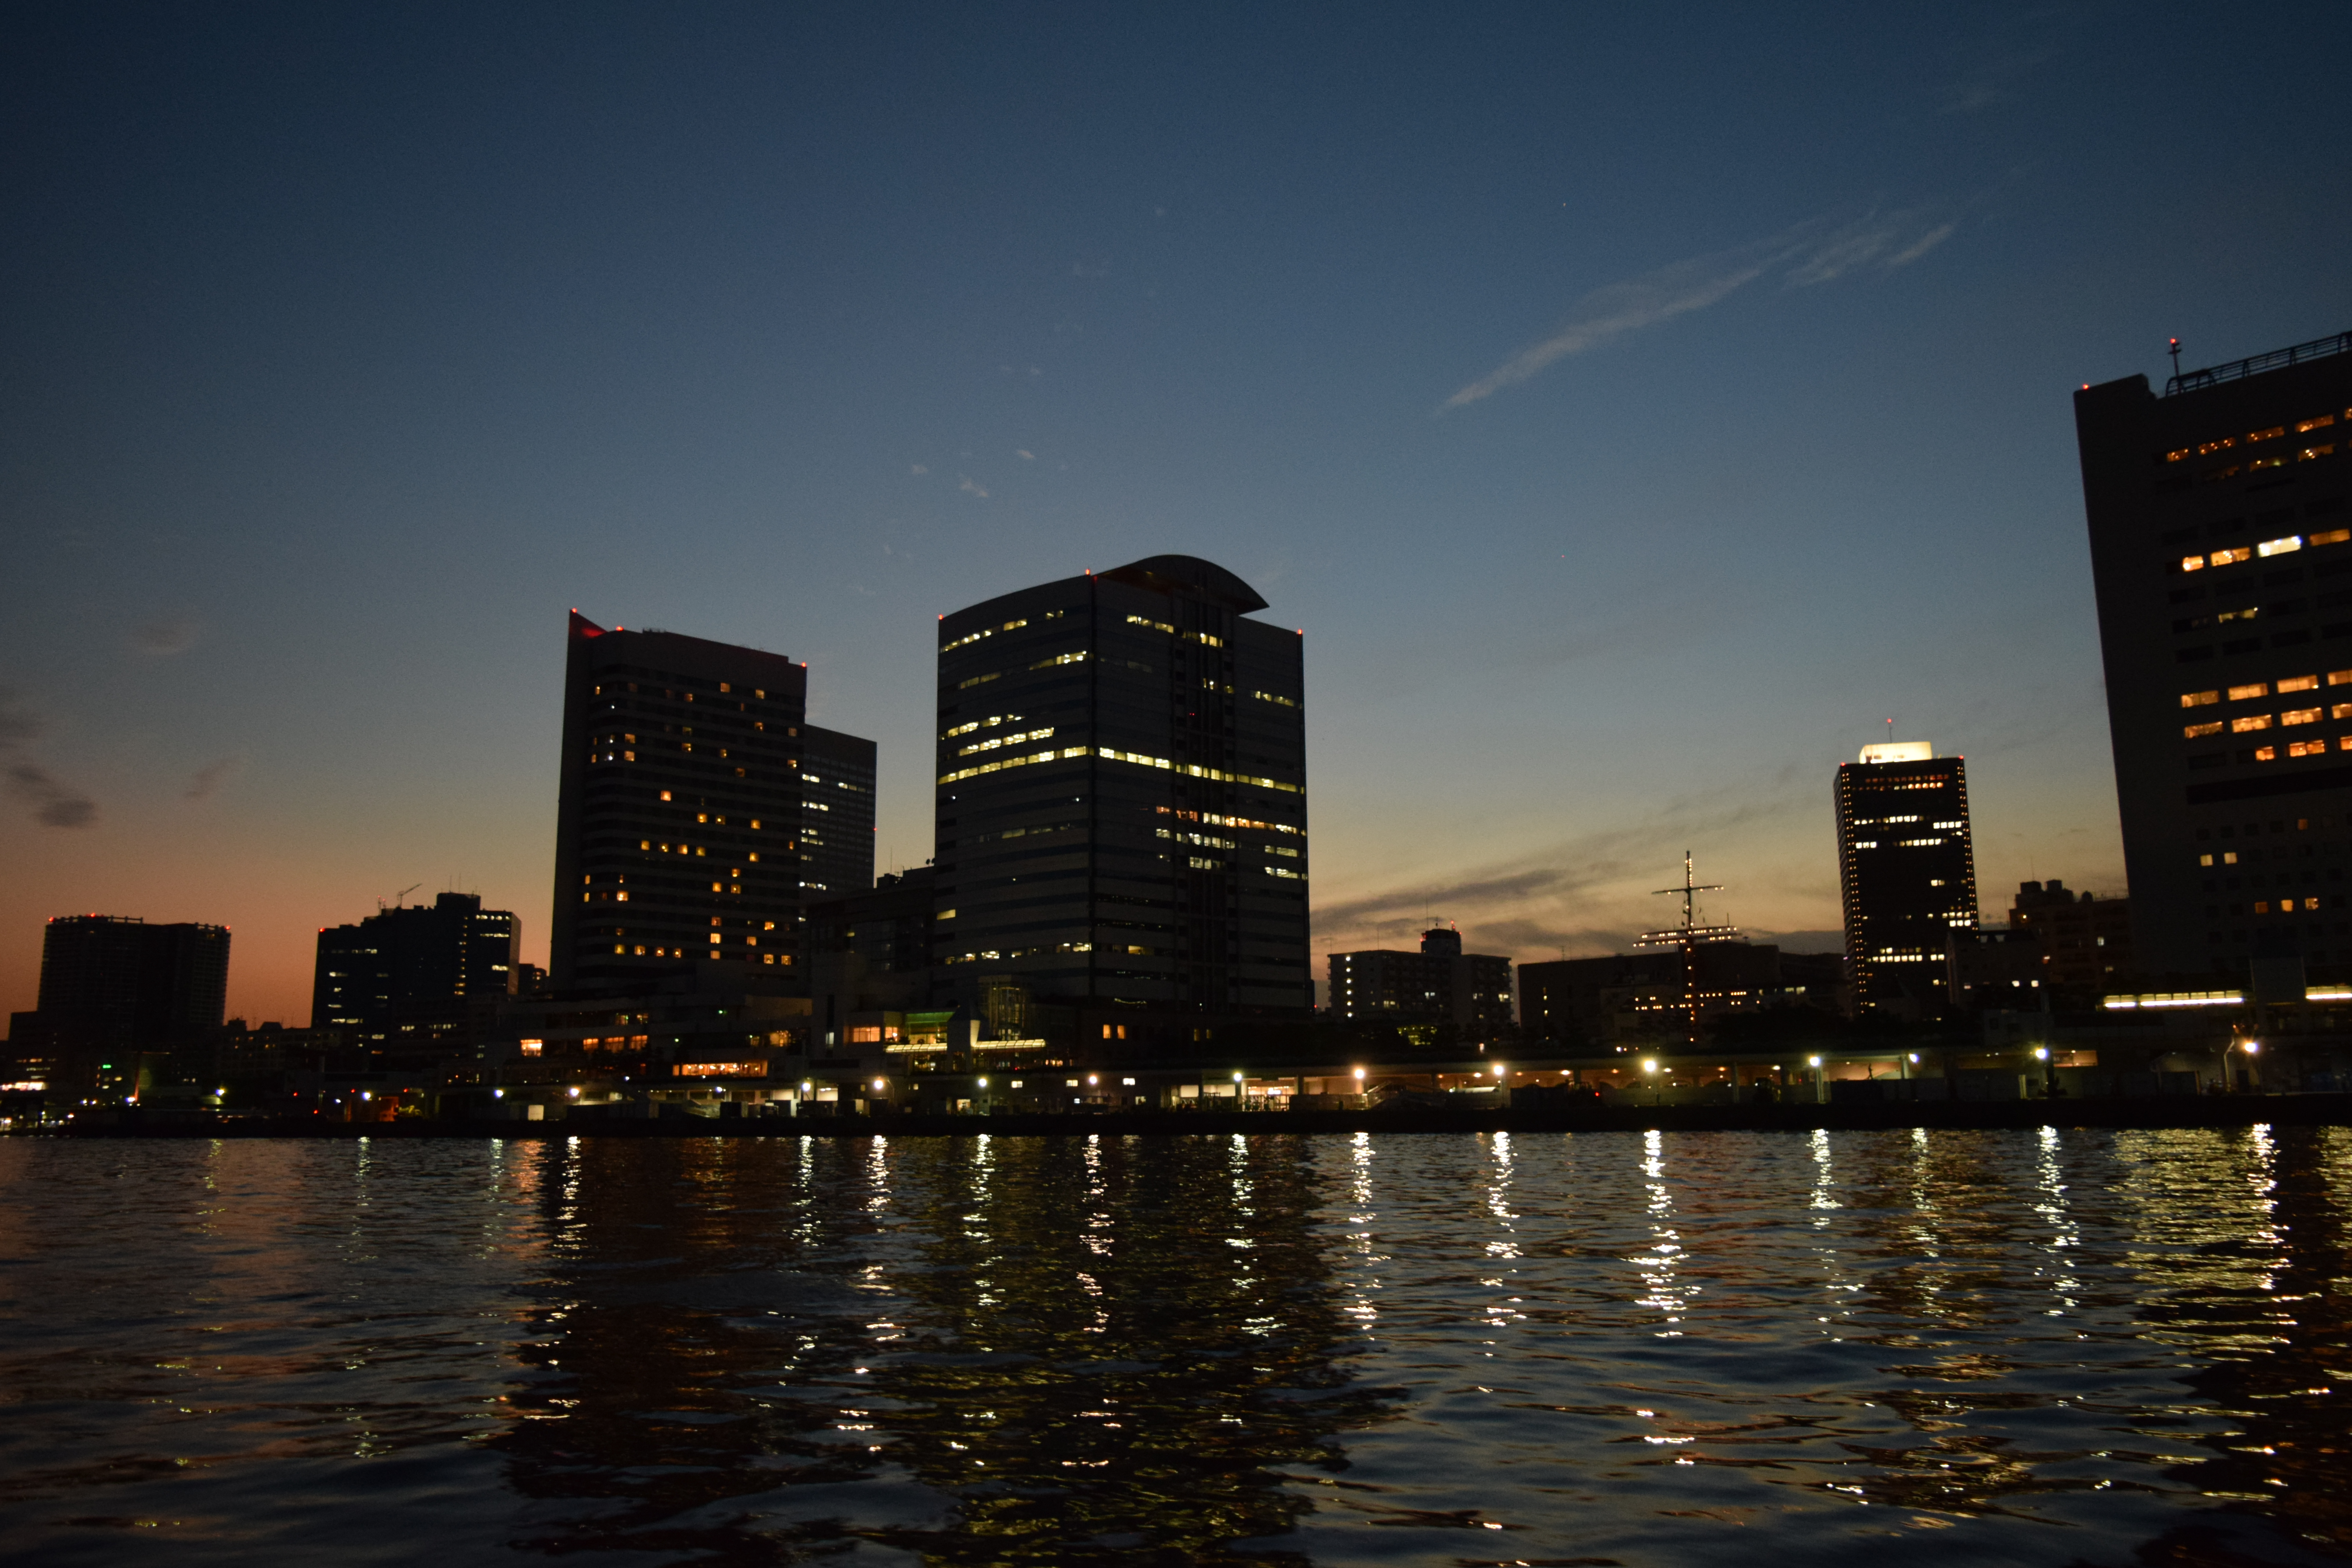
2255 689
993 955
688 696
2287 545
1901 843
2254 722
994 741
1214 820
2206 449
983 632
1191 770
1163 627
1900 821
2314 748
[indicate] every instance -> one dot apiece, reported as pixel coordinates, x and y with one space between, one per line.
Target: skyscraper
836 814
678 822
1908 865
1121 804
412 961
113 985
2221 553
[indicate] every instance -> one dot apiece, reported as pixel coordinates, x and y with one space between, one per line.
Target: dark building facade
836 813
1906 863
2221 553
678 816
1121 802
1641 998
1439 985
414 964
113 985
2086 941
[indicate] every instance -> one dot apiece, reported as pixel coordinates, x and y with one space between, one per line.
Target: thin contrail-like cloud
1811 253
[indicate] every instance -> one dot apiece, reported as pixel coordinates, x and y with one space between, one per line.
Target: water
2051 1347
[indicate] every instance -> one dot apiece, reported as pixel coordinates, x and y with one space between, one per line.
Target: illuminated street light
1812 1061
880 1086
1359 1075
1498 1069
1091 1079
983 1083
1649 1065
2041 1053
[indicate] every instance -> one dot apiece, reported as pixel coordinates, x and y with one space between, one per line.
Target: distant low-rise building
1643 997
1440 984
2087 941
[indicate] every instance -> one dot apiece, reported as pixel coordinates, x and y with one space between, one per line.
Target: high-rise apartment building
1121 803
2221 553
1908 865
1439 985
836 814
409 962
112 984
678 819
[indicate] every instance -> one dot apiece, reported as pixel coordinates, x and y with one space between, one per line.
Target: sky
1635 408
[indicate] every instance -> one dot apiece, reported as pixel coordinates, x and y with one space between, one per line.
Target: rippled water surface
2045 1347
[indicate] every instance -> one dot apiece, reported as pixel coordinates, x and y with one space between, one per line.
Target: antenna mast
1688 936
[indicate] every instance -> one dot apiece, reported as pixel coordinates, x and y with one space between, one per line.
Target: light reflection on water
2058 1347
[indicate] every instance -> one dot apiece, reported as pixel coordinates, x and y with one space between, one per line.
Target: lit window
2307 425
2311 903
2198 732
1077 657
2298 683
2266 753
2261 906
2209 447
2291 543
2192 564
2273 434
2308 453
976 681
2306 748
2204 860
2199 699
2300 716
2241 693
2226 557
2250 722
2229 857
2183 452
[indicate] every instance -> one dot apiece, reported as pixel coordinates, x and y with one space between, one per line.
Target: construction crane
400 895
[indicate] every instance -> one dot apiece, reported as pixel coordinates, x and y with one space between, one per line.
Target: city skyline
1633 423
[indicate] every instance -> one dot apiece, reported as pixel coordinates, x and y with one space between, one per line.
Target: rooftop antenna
2176 359
1689 936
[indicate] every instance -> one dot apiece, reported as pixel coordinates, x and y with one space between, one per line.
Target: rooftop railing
2238 370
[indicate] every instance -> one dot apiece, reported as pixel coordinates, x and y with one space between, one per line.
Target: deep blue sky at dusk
1635 407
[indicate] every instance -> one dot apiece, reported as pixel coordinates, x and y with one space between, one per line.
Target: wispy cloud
972 487
208 779
1811 253
1585 894
18 723
55 804
166 636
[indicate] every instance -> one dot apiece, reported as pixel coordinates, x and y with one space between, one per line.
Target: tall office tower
113 985
1121 804
836 813
412 962
678 824
1439 985
2217 516
1909 871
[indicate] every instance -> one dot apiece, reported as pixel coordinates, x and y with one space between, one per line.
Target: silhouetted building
1996 967
112 985
871 951
2221 552
1122 795
1641 998
677 832
2087 941
415 965
1907 867
1438 985
836 813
